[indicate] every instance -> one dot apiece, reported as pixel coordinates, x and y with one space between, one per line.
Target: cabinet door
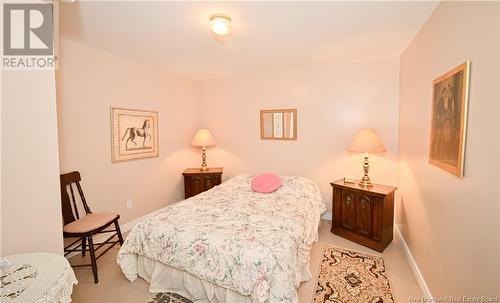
347 206
377 207
208 182
337 207
363 215
196 185
217 180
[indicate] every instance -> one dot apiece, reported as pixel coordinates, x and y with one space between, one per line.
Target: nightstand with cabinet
197 181
363 214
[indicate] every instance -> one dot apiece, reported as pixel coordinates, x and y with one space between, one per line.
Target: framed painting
278 124
449 120
134 134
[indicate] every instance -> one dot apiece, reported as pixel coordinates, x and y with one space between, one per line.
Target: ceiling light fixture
220 24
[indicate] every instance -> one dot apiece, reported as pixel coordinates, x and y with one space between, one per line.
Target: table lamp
366 141
203 138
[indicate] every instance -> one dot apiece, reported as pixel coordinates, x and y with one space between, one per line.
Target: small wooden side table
38 278
197 181
363 214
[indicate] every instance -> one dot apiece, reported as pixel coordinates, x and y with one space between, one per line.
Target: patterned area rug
351 277
168 297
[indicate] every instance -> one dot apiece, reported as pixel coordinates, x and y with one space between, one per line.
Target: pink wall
333 101
498 133
89 82
331 107
451 224
31 204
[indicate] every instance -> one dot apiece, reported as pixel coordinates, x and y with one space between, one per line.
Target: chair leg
118 232
84 246
93 260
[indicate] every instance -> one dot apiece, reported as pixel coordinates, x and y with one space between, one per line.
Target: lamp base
365 181
204 167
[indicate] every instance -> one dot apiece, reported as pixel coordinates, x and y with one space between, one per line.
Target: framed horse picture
449 119
134 134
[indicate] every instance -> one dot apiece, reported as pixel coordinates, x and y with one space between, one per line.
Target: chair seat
89 223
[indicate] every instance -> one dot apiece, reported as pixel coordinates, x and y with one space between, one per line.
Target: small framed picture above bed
134 134
278 124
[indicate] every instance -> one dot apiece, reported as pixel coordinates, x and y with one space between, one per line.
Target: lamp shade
203 137
366 140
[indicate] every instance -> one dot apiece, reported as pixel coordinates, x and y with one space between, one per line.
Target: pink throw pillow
266 183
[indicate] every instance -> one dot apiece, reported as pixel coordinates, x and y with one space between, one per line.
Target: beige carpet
347 276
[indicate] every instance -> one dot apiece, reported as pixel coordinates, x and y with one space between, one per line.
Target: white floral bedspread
255 244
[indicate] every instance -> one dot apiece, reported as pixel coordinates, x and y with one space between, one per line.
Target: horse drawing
134 132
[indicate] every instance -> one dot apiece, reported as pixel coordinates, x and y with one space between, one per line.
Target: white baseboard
327 216
424 289
123 228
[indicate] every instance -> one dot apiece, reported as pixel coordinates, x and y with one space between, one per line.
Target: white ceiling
266 35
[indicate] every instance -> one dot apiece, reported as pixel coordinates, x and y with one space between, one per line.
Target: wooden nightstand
197 181
363 215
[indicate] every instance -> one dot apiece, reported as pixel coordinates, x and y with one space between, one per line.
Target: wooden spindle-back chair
85 227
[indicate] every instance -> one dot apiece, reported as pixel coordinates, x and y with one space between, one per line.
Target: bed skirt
163 278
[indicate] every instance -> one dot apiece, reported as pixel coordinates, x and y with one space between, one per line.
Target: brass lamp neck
204 159
365 181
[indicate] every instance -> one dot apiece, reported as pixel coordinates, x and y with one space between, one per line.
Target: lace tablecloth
37 278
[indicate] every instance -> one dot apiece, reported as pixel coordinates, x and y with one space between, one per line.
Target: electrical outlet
129 204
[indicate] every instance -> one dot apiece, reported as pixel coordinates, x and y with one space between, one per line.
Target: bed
229 244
